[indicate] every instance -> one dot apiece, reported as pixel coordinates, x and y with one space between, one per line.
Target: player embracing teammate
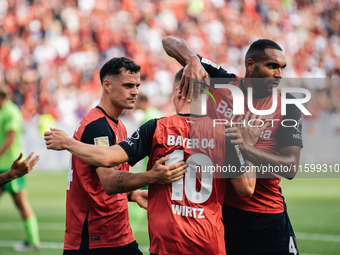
260 224
185 217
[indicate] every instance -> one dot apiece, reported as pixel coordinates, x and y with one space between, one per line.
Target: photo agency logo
231 105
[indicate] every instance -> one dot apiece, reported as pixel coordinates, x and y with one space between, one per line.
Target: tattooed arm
115 181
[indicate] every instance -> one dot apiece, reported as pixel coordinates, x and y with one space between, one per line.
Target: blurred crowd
51 51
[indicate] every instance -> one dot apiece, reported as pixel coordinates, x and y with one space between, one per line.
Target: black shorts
250 233
129 249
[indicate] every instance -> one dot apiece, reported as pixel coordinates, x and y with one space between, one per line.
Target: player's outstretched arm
19 168
57 139
193 71
115 181
178 49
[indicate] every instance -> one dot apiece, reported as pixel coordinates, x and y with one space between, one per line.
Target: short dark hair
114 66
178 75
256 50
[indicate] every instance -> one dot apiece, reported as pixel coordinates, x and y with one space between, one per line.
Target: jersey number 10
190 179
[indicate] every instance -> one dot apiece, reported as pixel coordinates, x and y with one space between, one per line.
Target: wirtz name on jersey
188 211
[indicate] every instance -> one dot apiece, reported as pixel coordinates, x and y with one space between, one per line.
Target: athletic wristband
130 195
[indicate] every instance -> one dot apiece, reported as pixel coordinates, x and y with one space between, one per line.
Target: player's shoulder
11 112
91 117
92 123
11 108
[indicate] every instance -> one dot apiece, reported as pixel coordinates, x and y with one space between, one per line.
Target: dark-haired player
185 217
97 220
260 224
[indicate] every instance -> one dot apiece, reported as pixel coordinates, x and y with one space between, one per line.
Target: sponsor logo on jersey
190 143
135 136
239 100
298 127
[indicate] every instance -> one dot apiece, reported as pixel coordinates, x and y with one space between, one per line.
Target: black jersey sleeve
98 132
214 70
138 145
234 160
290 131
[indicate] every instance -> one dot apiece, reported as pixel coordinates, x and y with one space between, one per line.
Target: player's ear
178 93
106 85
250 65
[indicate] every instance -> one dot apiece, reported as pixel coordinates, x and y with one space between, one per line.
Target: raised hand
20 168
55 139
193 74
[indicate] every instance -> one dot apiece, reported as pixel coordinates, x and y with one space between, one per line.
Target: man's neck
193 107
245 84
110 110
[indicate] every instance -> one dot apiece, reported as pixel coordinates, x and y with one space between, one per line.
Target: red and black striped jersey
267 197
87 205
185 216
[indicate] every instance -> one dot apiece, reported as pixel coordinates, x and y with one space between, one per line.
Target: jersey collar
114 120
191 115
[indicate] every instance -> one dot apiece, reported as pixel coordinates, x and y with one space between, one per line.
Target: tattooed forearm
120 181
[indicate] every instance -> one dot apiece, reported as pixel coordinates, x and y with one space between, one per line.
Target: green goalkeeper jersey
10 119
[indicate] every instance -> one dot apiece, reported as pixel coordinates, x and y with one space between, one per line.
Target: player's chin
270 88
130 105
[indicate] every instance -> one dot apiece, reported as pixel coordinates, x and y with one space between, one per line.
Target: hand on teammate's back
168 173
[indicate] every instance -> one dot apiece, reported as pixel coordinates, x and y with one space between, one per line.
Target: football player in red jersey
97 220
260 224
185 217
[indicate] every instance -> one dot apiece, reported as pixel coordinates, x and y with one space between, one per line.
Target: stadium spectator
97 220
197 228
260 221
10 146
19 168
